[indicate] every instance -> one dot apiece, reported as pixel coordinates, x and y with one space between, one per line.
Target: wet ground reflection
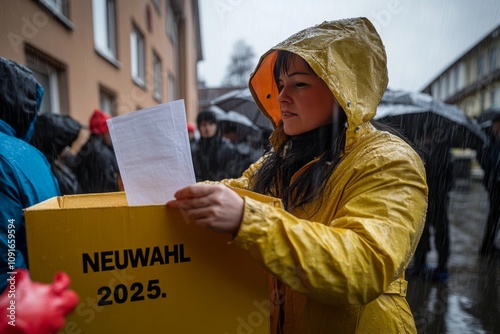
469 302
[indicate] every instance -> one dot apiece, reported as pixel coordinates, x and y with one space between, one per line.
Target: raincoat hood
348 55
20 98
53 133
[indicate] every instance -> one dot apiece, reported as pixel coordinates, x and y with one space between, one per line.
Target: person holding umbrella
354 196
490 162
435 146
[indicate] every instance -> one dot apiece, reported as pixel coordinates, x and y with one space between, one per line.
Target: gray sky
421 37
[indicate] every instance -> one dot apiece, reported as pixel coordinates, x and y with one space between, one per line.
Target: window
442 88
137 56
468 76
157 77
446 85
172 88
60 9
51 75
171 18
107 101
57 6
493 58
435 89
454 79
105 28
480 66
44 78
461 76
495 96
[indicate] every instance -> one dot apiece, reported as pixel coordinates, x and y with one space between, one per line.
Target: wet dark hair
282 64
206 115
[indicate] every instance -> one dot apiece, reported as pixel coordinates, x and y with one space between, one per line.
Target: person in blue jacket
25 175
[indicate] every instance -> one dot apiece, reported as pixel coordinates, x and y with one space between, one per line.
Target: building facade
115 55
472 82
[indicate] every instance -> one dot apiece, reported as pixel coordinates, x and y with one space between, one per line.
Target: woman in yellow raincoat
354 196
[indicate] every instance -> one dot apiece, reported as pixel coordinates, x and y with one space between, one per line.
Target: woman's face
305 100
207 129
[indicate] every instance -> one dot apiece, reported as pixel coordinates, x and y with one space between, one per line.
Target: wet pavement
470 301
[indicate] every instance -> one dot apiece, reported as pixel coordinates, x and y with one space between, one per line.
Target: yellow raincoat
342 270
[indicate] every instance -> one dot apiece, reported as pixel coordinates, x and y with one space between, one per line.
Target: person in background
439 170
247 154
354 194
95 166
54 136
213 156
25 175
490 162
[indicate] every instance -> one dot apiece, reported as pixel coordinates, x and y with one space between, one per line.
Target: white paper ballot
153 152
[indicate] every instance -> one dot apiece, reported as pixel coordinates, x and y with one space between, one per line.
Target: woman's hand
213 206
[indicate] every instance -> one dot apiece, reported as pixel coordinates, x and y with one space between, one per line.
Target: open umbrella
417 114
241 101
241 125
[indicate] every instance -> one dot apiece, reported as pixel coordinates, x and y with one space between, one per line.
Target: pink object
27 307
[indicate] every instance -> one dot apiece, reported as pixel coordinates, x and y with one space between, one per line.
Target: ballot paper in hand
153 152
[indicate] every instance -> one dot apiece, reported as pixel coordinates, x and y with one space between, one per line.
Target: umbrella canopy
486 117
241 125
241 101
418 114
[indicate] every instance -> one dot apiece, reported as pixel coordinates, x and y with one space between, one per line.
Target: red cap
190 127
98 125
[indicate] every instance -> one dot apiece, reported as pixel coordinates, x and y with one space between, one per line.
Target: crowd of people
47 155
218 155
359 199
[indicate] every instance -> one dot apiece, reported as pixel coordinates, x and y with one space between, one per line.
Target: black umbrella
241 101
418 114
240 125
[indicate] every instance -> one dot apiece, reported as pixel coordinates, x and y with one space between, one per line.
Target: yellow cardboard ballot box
142 269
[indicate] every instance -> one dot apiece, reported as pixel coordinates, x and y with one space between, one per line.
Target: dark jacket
53 133
96 167
25 176
214 159
246 155
489 158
